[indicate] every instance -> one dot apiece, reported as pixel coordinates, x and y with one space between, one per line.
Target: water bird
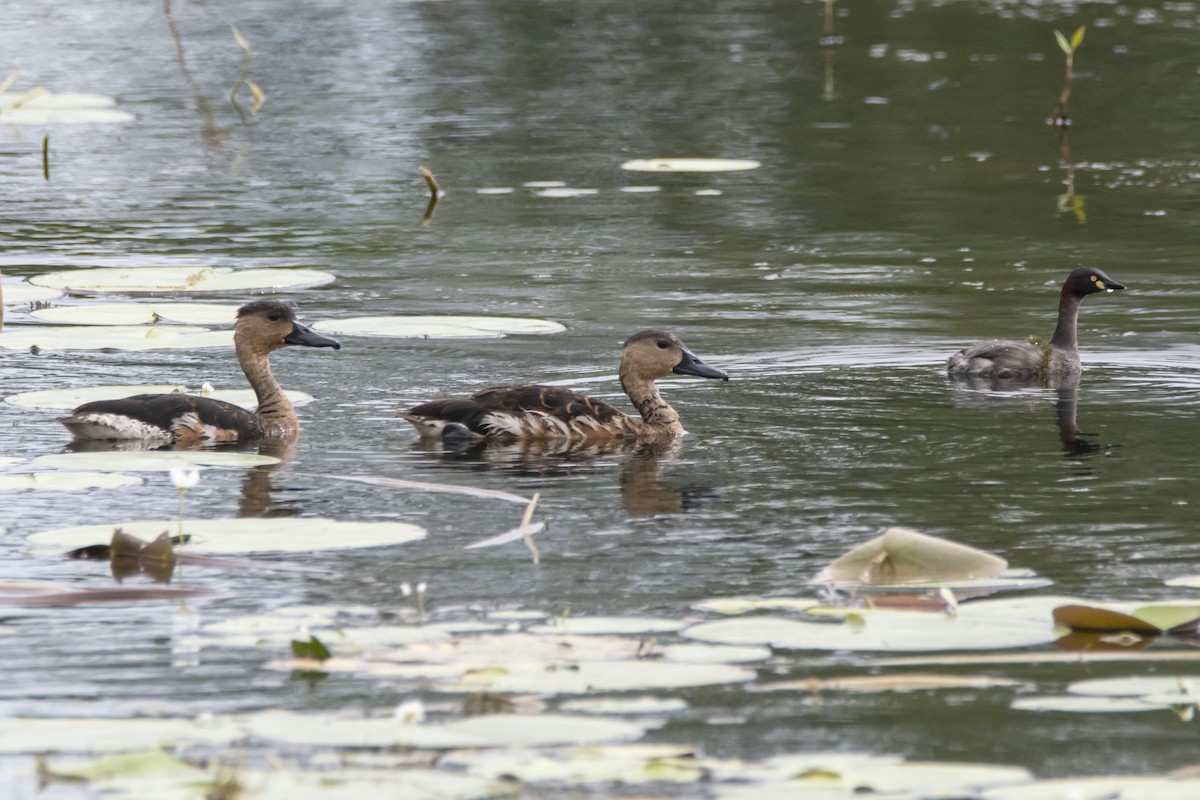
182 419
1035 358
549 412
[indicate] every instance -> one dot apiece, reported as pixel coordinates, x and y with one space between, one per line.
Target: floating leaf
116 337
65 481
587 677
1189 581
153 460
916 682
689 165
608 625
1137 686
635 763
67 399
565 191
63 108
245 535
87 735
9 460
901 555
495 730
181 279
1144 619
1085 705
140 314
437 327
26 293
742 605
624 705
1115 787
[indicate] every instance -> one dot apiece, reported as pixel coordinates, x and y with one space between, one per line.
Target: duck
262 327
531 412
1035 358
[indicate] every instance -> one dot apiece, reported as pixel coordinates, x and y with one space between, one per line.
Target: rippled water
910 211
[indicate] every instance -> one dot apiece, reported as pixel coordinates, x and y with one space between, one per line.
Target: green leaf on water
312 650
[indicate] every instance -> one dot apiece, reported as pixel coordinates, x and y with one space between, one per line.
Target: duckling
183 419
547 412
1005 359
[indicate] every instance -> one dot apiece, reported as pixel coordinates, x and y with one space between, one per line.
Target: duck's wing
1000 358
165 418
521 411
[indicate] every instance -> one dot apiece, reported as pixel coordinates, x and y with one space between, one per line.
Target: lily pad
1190 581
6 461
115 337
39 107
1137 686
1086 705
1116 787
181 279
1152 619
140 314
585 677
629 763
351 784
901 555
89 735
153 460
65 481
608 625
495 730
245 535
21 292
743 605
690 165
437 327
625 705
67 399
886 683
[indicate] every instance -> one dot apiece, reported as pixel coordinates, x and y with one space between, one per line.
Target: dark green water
908 204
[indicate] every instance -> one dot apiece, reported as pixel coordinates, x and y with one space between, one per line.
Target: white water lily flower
410 712
184 478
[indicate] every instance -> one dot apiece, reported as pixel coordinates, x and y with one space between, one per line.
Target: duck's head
267 325
655 354
1089 280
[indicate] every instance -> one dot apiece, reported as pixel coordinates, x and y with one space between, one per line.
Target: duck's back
166 418
999 358
523 411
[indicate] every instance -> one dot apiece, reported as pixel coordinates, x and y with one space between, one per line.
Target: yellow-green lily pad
140 314
65 481
153 460
690 164
148 280
437 327
114 337
67 399
244 535
21 292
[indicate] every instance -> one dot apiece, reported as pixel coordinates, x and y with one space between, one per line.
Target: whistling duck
546 412
162 419
1001 358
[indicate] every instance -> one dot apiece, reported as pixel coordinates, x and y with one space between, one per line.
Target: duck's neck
655 411
274 413
1065 337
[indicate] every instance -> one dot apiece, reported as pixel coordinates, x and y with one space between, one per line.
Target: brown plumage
547 412
162 419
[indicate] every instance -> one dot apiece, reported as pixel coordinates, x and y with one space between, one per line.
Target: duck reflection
644 493
1075 444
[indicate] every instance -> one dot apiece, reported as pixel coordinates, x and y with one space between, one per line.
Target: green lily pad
689 165
39 107
88 735
67 399
115 337
21 292
437 327
1086 705
140 314
148 280
65 481
245 535
1116 787
495 730
153 460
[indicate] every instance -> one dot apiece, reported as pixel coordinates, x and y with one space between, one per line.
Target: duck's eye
663 344
273 316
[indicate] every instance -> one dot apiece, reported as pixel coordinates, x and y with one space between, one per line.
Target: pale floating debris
588 677
901 555
495 190
544 184
89 735
140 314
876 101
68 108
1144 618
153 460
563 191
245 535
114 337
65 481
708 193
690 165
67 399
181 279
640 189
625 705
494 730
1116 787
592 626
437 327
1076 704
26 293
